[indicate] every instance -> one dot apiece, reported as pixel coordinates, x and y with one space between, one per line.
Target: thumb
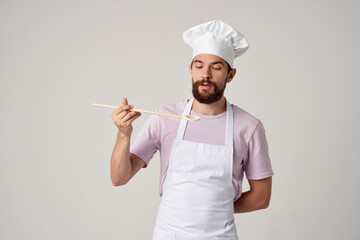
125 102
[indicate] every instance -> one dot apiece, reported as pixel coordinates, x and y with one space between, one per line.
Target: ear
231 75
190 68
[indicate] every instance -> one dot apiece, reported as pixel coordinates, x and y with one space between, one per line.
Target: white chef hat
217 38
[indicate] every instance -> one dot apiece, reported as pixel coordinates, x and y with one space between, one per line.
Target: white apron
198 193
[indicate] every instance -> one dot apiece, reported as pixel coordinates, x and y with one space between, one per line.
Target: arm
123 164
258 197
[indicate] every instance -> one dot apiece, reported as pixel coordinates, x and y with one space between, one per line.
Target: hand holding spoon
186 117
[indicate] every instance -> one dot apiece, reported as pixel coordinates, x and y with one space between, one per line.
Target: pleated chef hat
217 38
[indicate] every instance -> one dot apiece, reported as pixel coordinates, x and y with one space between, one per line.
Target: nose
206 73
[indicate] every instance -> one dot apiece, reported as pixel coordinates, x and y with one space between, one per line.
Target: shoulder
244 116
245 122
166 126
175 108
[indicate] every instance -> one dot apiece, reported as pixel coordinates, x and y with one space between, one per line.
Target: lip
206 86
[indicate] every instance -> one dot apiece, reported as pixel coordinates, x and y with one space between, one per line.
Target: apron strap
229 123
183 122
229 126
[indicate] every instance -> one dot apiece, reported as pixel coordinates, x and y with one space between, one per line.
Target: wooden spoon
186 117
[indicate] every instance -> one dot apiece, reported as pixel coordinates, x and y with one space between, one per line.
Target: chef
202 162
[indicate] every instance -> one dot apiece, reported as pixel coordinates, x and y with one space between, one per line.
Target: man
203 162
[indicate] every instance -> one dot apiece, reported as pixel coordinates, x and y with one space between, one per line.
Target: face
209 75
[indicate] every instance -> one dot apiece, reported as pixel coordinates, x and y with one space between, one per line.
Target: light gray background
300 77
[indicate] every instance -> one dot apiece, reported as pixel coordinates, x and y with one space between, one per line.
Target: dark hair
229 67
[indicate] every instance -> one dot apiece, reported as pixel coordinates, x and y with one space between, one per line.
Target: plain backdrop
300 77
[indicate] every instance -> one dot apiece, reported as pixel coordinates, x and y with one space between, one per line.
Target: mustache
205 82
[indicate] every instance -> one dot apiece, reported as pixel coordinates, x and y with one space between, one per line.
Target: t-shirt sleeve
258 165
147 142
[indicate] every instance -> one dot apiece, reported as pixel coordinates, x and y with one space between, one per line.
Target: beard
206 96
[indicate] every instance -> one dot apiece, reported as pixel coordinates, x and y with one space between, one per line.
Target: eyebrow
213 63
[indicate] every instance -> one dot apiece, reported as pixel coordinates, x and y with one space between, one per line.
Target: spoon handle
140 110
157 113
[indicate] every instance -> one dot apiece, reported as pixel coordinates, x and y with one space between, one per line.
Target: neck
210 109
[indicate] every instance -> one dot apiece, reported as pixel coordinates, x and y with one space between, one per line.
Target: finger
133 118
126 118
121 115
125 102
129 118
130 115
118 120
121 109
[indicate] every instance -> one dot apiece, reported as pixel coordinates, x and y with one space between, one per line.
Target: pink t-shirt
250 146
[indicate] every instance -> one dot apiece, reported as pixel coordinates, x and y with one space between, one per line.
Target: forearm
120 160
248 202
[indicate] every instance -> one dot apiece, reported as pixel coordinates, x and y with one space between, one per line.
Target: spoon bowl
191 117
